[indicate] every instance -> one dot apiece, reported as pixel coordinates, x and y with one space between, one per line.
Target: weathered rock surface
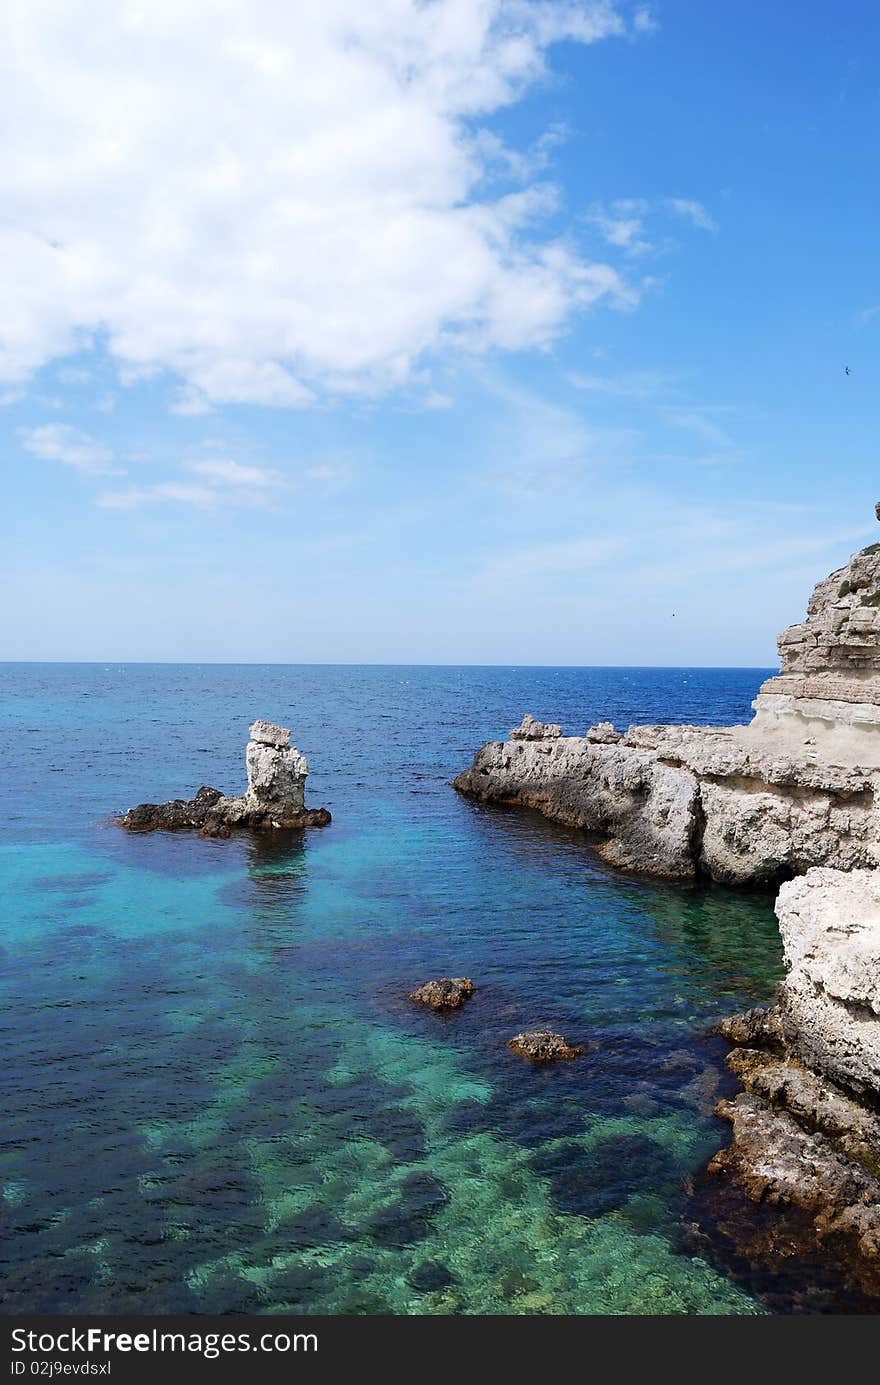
543 1046
446 993
806 1127
829 680
603 734
830 1005
531 730
274 800
798 787
680 801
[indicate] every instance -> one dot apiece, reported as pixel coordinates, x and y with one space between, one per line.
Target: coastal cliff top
841 634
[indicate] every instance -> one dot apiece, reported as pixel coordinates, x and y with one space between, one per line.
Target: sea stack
274 799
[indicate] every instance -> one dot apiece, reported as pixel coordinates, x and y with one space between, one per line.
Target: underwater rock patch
543 1046
430 1276
408 1220
316 1226
594 1182
446 993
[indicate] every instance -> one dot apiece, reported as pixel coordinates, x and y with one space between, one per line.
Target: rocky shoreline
806 1126
798 787
791 800
274 799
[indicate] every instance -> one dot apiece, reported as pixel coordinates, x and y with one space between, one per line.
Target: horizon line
353 663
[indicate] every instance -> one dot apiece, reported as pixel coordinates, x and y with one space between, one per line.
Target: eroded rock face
446 993
543 1046
830 926
274 800
829 680
681 801
806 1127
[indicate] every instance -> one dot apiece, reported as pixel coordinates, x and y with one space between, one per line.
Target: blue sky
472 331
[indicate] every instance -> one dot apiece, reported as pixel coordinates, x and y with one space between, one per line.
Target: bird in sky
846 368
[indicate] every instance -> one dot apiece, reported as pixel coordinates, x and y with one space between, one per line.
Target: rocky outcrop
603 734
796 788
446 993
531 730
543 1046
682 801
829 680
806 1126
274 800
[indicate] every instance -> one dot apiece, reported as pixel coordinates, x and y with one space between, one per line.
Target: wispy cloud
643 21
221 481
692 211
531 563
701 422
225 472
624 223
60 442
642 384
163 493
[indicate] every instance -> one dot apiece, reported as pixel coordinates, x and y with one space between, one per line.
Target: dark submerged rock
543 1046
446 993
430 1276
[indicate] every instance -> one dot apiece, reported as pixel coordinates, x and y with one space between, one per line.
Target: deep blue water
216 1095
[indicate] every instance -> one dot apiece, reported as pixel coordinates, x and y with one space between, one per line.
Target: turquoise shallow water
217 1097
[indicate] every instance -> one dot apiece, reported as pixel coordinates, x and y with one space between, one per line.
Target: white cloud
622 224
692 211
539 562
636 384
699 421
225 472
59 442
644 21
165 492
271 199
220 482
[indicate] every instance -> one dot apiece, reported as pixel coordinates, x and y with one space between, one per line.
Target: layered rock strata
806 1126
274 799
829 680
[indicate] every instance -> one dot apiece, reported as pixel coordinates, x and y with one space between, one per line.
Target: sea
216 1094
